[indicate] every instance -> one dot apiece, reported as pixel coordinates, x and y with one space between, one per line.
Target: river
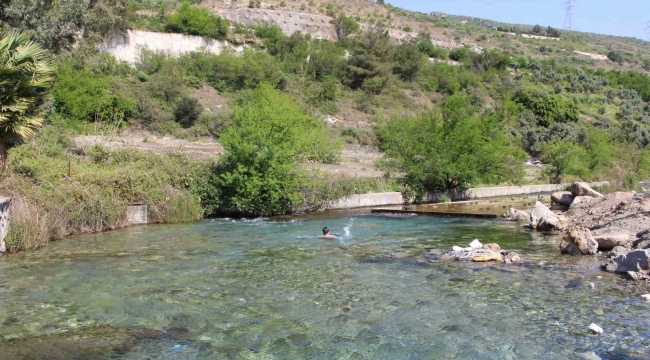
267 289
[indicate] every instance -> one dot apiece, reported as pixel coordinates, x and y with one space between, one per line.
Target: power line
569 6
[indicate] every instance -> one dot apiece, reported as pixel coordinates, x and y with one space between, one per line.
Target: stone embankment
617 224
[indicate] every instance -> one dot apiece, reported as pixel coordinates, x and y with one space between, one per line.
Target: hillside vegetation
445 118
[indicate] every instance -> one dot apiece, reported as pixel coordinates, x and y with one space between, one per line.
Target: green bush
269 137
548 108
187 111
195 20
564 158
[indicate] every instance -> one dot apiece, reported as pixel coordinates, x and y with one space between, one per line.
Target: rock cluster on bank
543 218
477 252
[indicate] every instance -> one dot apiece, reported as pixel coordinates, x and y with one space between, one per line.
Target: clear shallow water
268 290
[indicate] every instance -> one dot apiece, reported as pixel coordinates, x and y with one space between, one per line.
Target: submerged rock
607 242
596 329
632 261
583 189
578 240
646 297
487 257
562 198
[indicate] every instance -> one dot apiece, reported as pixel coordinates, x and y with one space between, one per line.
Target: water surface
267 289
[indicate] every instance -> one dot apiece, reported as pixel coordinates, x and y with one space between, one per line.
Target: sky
621 18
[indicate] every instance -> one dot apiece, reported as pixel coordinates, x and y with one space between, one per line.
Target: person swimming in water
326 234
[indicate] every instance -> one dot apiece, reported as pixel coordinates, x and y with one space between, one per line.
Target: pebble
592 285
457 248
646 297
596 329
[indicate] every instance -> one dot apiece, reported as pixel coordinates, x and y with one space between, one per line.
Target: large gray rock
630 262
581 201
516 215
607 242
562 198
543 219
578 240
583 189
620 250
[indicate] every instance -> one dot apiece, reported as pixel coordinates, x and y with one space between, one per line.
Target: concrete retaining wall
128 48
368 200
138 214
4 222
395 198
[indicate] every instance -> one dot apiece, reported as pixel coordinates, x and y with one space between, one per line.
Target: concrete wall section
127 48
138 214
368 200
4 222
395 198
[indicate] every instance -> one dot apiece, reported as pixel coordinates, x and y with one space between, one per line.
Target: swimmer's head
326 230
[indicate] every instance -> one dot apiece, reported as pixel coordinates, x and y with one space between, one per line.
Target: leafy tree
408 61
26 75
564 158
325 59
56 25
345 26
187 111
451 150
369 66
270 136
273 38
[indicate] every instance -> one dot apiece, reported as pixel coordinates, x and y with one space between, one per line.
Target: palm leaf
26 74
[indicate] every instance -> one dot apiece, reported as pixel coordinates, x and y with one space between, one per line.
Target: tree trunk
3 154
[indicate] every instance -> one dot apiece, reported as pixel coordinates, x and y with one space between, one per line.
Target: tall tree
26 75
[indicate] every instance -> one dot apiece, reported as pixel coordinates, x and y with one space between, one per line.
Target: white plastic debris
595 328
476 244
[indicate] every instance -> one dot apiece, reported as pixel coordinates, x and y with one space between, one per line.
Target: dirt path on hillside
356 160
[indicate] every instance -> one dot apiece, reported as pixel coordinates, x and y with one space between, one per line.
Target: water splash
347 229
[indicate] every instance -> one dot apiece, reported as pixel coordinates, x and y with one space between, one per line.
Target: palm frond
26 74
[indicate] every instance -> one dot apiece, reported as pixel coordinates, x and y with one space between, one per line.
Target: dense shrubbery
195 20
548 108
270 136
451 150
56 194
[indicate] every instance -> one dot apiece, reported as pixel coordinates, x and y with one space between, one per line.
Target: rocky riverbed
591 223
